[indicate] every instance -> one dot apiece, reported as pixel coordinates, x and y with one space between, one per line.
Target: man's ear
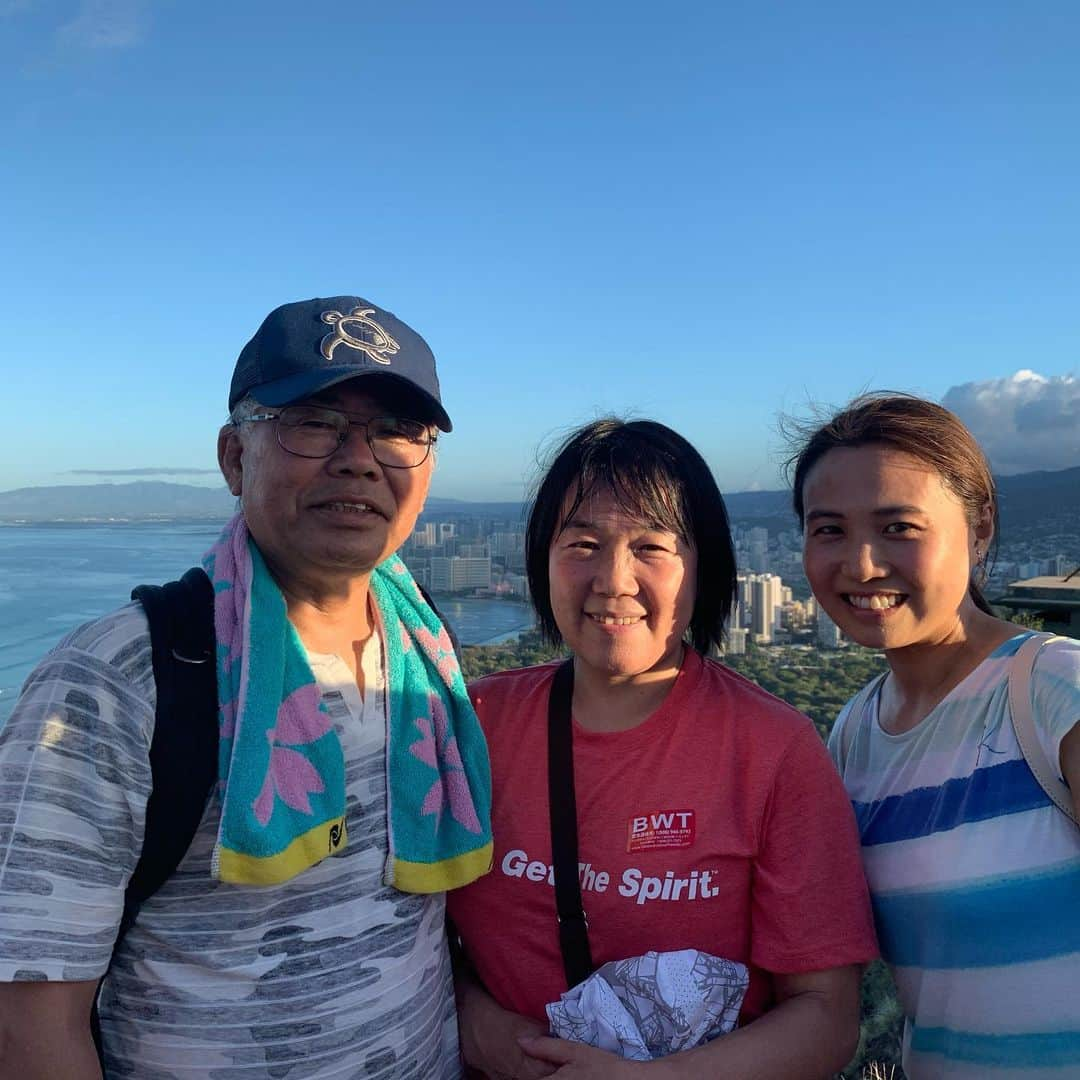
230 455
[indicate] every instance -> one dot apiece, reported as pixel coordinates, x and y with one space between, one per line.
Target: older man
283 944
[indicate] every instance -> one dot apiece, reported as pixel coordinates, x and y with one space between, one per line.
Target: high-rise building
735 641
742 590
456 574
766 603
472 551
758 555
794 612
506 544
828 633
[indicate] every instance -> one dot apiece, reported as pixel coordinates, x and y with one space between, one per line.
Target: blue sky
707 214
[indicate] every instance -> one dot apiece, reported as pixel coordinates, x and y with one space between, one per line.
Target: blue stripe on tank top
1039 1049
994 922
1008 788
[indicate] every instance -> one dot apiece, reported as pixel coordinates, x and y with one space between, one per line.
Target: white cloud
1024 422
104 24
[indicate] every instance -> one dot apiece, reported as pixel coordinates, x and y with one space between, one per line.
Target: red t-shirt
718 824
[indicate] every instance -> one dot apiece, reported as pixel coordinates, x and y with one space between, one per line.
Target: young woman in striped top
973 871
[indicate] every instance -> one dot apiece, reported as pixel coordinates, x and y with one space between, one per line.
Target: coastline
506 636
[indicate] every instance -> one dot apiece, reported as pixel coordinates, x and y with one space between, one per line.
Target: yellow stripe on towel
451 873
306 850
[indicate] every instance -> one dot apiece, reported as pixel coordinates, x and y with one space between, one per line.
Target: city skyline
484 553
483 556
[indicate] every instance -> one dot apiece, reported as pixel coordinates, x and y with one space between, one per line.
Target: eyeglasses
311 432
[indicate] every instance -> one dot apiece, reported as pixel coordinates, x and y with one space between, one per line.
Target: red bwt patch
660 829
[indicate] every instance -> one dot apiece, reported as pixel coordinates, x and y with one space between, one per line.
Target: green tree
1021 618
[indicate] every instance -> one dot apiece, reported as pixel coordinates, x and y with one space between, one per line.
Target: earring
978 571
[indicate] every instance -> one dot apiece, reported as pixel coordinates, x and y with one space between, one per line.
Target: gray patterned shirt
330 975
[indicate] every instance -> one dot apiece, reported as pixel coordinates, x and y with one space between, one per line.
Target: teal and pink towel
280 766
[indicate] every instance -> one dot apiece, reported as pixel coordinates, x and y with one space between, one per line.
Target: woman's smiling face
888 548
622 590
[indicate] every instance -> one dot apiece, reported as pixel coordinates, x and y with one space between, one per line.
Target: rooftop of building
1048 592
1069 583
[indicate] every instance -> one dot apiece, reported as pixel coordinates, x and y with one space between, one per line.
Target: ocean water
54 577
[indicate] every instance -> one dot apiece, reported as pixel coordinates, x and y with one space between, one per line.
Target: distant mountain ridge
1024 498
139 500
160 500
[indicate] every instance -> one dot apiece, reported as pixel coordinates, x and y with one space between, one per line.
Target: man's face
322 522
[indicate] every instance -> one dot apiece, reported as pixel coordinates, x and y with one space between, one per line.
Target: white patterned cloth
652 1005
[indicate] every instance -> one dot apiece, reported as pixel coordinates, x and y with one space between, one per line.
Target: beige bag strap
1024 724
854 717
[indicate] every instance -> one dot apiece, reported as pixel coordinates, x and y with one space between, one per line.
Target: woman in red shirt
709 816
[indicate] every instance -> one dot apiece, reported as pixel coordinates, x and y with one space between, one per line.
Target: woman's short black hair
656 476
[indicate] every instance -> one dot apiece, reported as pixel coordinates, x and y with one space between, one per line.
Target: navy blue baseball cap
310 345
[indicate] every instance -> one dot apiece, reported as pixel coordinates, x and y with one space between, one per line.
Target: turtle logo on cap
375 342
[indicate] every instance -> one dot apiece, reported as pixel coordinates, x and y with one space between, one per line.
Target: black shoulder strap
183 750
562 805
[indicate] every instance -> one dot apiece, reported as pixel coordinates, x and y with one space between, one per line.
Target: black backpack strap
183 750
562 806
